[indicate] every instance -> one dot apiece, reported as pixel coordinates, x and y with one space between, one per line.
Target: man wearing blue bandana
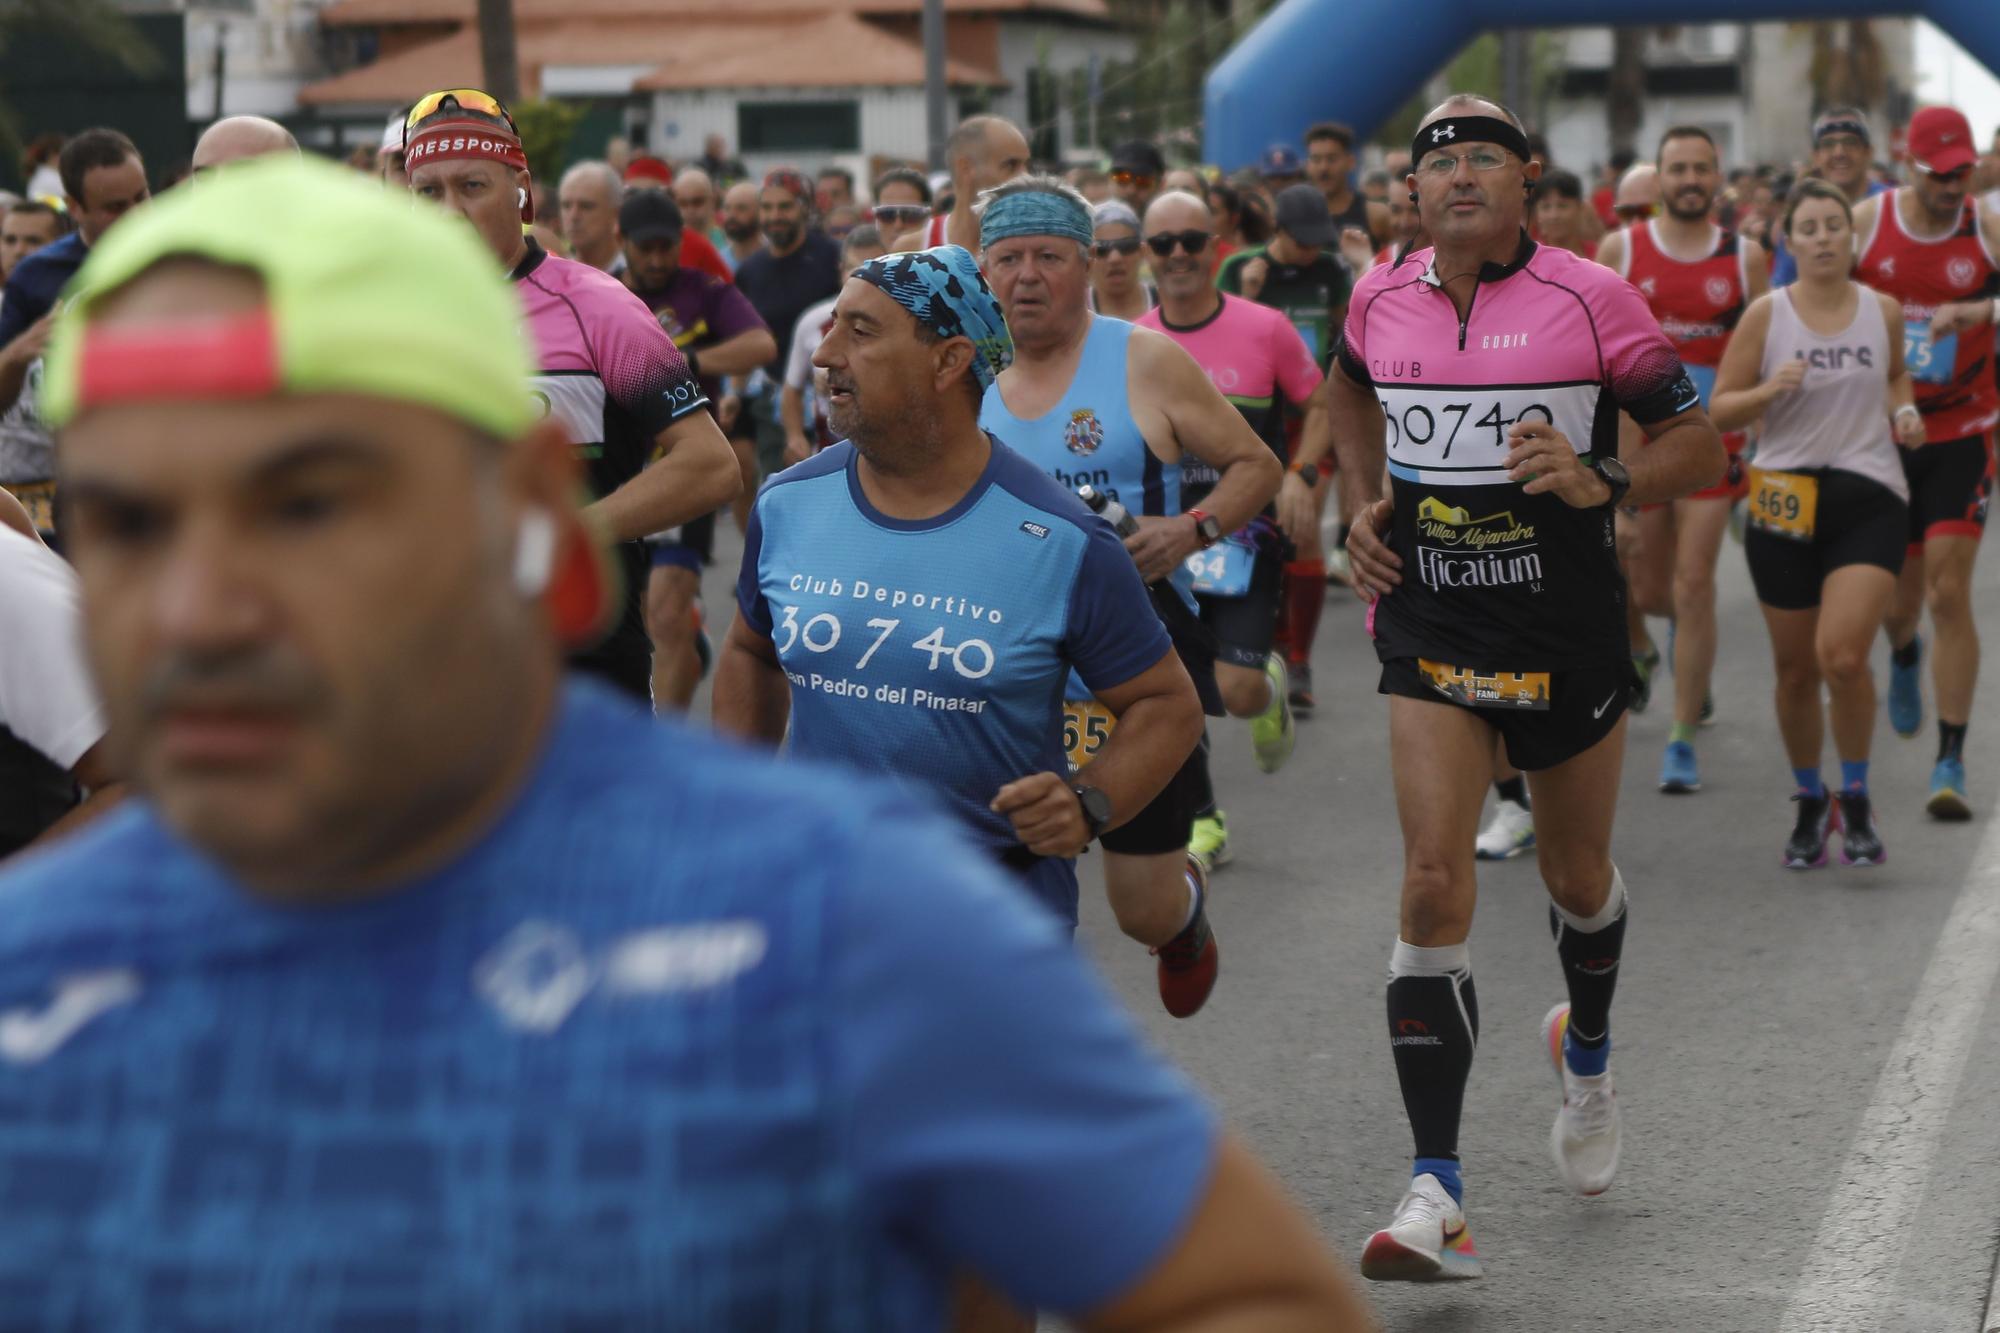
1094 401
914 598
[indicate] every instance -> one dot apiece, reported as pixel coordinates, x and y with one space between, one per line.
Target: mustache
253 679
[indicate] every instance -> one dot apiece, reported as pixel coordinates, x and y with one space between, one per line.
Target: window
791 127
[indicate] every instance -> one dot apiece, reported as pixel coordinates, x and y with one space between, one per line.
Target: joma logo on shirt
1034 530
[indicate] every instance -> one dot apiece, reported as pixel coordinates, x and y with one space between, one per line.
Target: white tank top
1838 417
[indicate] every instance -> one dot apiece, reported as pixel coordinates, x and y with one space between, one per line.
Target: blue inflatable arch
1379 51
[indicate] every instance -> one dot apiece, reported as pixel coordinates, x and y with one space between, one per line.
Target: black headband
1449 130
1842 125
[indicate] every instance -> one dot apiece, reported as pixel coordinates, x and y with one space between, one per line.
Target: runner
1821 363
983 152
801 441
1405 231
902 201
609 373
1299 275
1696 278
1263 366
1137 170
28 227
898 527
1488 368
590 196
1843 154
1118 284
738 221
1559 211
694 194
1934 249
237 139
444 896
1093 401
718 333
1650 580
1330 167
798 268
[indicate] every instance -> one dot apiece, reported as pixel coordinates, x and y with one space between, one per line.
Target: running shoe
1208 844
1510 832
1947 800
1189 961
1678 773
1584 1138
1339 568
1272 735
1906 694
1860 844
1643 666
1303 702
1816 821
1426 1241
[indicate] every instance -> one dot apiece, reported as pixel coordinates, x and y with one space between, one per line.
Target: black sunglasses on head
1194 242
1128 245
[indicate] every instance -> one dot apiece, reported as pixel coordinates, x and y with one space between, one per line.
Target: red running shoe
1189 961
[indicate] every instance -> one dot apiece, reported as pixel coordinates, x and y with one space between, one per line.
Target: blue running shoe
1678 773
1947 800
1906 694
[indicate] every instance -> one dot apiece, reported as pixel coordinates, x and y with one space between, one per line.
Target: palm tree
496 50
1625 90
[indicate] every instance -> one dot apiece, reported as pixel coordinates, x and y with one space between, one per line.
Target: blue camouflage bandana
944 289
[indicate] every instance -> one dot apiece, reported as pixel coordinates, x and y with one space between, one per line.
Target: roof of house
388 13
705 51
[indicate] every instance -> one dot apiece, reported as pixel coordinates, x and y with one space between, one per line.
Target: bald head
1178 210
1460 104
1639 187
238 138
694 192
986 151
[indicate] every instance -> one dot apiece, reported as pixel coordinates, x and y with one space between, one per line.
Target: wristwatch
1206 529
1613 474
1307 473
1096 807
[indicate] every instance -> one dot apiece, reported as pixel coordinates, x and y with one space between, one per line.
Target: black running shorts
1572 710
1857 522
1168 821
1950 483
1244 626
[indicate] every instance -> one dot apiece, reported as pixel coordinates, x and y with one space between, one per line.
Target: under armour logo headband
1449 130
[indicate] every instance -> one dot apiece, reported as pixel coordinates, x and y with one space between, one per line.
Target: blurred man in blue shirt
424 990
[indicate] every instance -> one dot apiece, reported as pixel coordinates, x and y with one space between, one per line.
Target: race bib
1928 362
1785 504
1484 689
39 499
1224 569
1087 724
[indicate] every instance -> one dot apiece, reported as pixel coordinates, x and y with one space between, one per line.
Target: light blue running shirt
936 650
690 1040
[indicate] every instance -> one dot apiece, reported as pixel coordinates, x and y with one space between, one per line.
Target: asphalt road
1776 1175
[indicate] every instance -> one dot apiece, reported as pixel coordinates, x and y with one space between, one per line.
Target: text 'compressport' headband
1034 213
1449 130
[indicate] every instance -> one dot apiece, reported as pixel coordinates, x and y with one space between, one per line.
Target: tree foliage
94 25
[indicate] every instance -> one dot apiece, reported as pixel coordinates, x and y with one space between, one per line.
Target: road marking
1991 1323
1851 1270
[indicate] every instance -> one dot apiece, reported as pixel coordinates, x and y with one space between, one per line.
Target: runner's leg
1796 696
670 594
1853 601
1947 578
1699 528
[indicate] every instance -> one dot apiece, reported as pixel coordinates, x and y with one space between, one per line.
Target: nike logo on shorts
1598 711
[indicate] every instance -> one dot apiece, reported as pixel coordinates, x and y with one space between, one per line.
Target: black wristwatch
1096 807
1206 529
1613 474
1307 473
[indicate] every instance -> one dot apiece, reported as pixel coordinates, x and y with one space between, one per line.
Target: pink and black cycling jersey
1255 356
610 375
1492 577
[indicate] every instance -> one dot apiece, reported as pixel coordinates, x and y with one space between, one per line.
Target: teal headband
944 290
1034 213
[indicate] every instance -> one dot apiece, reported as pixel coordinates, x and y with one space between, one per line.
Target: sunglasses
1130 178
1194 242
900 212
468 99
1947 177
1632 212
1127 246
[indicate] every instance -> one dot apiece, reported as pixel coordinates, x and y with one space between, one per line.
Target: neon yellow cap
368 291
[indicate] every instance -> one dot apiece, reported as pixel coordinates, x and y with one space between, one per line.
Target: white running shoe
1584 1139
1427 1241
1510 832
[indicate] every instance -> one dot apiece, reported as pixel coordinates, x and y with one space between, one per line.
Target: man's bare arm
752 700
698 475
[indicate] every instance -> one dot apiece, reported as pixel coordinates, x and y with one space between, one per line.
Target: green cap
369 291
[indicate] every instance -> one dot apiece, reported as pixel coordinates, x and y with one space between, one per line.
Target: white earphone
521 198
534 552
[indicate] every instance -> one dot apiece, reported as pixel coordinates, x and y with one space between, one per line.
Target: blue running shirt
937 649
684 1043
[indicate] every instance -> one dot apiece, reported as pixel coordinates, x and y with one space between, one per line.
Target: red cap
648 168
1941 140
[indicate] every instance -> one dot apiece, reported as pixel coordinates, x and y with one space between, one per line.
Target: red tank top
1953 374
1696 303
934 233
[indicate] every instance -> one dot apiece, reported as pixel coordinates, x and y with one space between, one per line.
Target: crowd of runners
389 961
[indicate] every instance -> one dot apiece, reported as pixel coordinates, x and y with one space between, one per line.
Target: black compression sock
1433 1028
1951 739
1590 952
1907 655
1514 789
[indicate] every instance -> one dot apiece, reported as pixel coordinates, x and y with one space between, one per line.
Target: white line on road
1991 1323
1851 1270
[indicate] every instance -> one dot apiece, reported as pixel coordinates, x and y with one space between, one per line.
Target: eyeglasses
1194 242
468 99
1127 245
1441 164
1131 178
900 212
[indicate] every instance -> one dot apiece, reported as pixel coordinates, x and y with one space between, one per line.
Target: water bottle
1108 509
